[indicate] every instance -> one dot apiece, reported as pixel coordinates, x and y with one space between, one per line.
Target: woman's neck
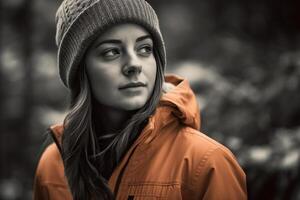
108 119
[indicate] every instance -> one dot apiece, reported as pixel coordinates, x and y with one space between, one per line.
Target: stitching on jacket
182 185
202 163
46 184
154 183
203 136
158 190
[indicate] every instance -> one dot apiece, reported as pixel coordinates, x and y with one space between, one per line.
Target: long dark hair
82 153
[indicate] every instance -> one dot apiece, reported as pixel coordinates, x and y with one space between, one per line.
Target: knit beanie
79 22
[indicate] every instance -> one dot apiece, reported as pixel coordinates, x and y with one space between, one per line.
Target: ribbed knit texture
79 22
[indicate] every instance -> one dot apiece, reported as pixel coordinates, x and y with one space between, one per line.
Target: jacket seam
188 130
182 185
217 145
46 183
202 163
154 183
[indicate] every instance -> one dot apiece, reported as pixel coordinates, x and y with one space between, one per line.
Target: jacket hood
182 101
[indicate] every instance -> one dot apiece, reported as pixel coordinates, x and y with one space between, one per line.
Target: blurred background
242 59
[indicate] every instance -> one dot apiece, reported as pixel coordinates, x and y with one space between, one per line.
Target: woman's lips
132 85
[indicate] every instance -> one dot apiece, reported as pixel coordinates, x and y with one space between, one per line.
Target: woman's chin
133 104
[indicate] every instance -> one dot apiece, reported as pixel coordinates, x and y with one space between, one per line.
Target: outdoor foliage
242 59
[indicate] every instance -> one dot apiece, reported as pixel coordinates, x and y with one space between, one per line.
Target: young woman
131 132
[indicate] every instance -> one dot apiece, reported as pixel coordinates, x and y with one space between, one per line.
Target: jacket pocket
154 191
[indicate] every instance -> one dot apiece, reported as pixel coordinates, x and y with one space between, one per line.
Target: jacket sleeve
50 182
219 176
39 190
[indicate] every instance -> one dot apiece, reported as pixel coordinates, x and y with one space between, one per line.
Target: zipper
119 179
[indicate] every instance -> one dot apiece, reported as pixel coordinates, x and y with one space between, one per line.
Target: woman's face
121 67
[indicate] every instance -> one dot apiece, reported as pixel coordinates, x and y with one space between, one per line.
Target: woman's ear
166 87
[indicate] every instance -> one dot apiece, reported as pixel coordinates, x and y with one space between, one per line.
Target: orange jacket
170 159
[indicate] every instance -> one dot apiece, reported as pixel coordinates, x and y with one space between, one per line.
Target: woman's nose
130 70
132 66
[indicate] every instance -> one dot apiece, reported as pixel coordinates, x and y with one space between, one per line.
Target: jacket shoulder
50 181
50 168
217 171
200 143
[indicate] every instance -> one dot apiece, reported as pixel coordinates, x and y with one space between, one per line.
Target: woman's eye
110 53
145 50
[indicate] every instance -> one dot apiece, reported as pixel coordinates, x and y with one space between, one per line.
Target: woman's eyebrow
119 41
108 41
143 38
